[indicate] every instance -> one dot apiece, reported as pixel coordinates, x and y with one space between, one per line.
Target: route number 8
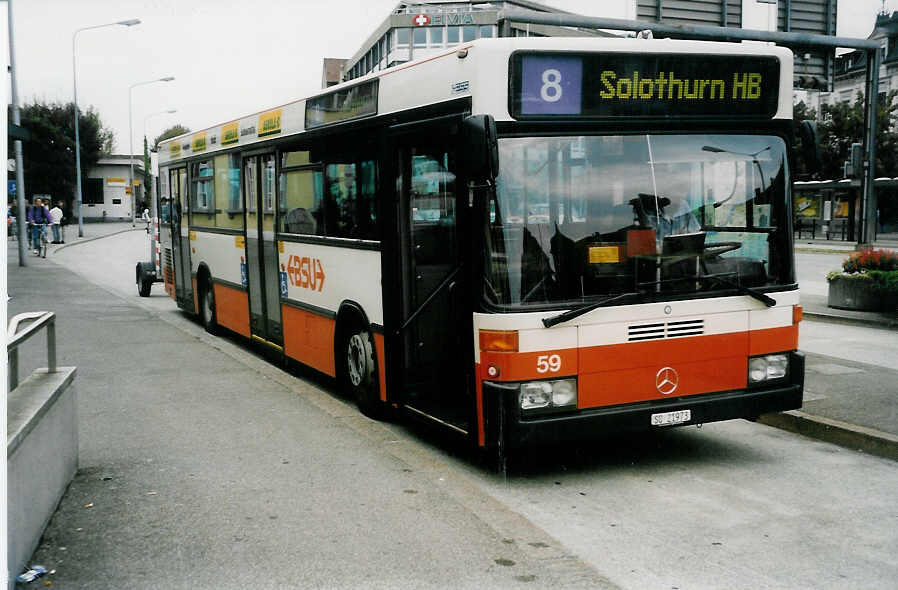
548 362
551 89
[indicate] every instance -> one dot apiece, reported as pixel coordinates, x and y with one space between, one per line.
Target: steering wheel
717 248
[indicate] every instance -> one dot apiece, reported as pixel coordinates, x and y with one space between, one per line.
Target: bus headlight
539 396
767 367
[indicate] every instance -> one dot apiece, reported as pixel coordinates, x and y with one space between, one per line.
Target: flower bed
868 282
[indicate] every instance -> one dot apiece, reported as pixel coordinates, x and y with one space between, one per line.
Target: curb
881 323
86 240
868 440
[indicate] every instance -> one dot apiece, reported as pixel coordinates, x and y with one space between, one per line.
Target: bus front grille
662 330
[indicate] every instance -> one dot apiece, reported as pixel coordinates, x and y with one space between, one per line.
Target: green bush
884 281
887 280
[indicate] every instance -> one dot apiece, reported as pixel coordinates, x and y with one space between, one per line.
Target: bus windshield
580 217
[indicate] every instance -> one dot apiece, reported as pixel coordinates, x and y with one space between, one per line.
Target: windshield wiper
768 301
575 313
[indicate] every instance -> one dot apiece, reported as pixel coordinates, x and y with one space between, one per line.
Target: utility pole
20 169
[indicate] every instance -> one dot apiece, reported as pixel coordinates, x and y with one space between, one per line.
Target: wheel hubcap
357 360
207 307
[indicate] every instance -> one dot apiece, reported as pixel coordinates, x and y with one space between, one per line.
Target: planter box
857 295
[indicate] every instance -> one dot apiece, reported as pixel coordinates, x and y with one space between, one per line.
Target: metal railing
39 319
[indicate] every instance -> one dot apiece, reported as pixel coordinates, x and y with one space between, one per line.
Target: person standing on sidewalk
55 220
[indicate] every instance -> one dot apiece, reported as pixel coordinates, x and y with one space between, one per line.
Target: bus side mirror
810 146
480 149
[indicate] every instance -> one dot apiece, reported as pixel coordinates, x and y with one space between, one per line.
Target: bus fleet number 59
548 362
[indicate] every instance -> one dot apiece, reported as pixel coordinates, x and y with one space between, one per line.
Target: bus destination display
615 85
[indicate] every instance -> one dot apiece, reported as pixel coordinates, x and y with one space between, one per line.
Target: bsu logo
305 272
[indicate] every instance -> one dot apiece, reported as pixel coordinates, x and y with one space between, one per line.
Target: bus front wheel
359 371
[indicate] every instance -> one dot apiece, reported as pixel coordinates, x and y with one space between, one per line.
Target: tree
49 155
173 131
843 124
801 112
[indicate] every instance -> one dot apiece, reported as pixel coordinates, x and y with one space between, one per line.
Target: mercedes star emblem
667 380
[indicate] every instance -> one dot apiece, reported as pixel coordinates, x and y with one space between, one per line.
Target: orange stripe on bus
381 364
626 373
196 302
232 308
670 350
522 366
309 338
168 279
773 340
638 384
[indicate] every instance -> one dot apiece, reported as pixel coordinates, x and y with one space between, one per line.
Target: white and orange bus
520 240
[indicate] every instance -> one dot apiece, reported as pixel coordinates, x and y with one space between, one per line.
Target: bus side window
301 199
350 200
340 200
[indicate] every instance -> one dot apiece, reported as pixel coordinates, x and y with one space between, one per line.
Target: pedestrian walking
38 216
55 221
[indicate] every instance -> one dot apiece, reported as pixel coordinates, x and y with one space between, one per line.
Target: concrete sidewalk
202 465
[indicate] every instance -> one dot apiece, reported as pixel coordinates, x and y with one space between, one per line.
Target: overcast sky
230 58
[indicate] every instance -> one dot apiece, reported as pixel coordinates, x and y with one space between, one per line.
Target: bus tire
358 370
207 306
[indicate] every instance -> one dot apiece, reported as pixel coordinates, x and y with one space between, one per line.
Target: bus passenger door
261 249
432 279
180 237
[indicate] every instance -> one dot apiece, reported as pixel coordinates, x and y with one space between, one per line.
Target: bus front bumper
518 431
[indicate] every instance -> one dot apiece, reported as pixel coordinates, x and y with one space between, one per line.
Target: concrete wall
41 458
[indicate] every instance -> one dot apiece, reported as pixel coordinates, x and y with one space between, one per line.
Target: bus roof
480 71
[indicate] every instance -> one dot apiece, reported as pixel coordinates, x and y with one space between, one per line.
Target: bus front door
262 250
433 328
180 238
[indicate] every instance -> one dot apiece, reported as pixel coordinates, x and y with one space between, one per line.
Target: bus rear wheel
359 371
207 307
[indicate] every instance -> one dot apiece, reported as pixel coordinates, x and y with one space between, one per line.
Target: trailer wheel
144 282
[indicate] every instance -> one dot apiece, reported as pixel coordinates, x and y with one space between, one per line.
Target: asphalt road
730 505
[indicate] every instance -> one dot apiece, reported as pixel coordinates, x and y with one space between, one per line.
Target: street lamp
124 23
148 117
131 143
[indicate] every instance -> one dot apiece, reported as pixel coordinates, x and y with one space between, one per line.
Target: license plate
671 418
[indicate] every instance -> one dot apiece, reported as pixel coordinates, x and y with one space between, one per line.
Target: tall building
813 69
416 30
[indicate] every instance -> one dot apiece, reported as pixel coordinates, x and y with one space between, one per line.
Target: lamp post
131 144
124 23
